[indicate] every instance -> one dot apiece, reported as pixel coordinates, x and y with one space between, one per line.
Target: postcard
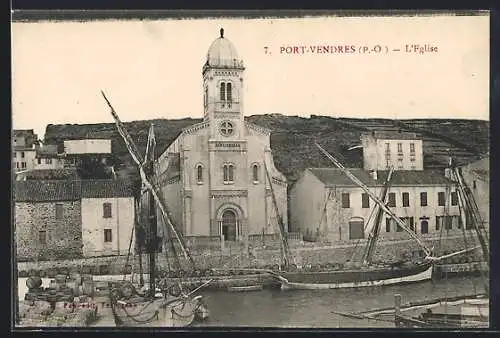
326 171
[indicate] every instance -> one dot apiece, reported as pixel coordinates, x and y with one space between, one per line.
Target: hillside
292 138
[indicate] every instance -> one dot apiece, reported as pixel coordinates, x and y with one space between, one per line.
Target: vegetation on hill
292 138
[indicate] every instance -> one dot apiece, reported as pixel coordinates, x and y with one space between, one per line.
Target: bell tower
223 90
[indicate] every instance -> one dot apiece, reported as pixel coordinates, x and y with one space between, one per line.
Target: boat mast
372 238
284 241
151 212
472 209
376 199
131 147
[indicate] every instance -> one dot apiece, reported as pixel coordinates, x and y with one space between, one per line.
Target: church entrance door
229 225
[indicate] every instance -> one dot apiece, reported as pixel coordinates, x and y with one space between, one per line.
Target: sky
152 69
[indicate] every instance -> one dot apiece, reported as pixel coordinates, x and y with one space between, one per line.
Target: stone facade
212 176
266 255
44 234
61 219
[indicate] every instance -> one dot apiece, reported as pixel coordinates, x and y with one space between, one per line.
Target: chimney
373 174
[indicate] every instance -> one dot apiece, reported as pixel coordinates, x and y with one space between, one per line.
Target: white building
87 146
326 204
212 176
47 157
402 151
108 217
24 146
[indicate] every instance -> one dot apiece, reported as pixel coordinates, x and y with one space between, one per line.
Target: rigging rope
128 252
359 240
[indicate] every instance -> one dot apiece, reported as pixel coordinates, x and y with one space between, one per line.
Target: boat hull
355 278
157 313
245 288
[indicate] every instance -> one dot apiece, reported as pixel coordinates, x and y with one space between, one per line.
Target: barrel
33 282
60 279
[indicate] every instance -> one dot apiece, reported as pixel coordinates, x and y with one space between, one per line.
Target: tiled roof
50 174
70 190
334 176
47 191
106 188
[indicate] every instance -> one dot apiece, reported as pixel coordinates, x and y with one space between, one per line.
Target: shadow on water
313 308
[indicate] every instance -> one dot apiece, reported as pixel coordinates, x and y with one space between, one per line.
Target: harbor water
314 308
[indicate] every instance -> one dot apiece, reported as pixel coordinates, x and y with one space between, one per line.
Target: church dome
222 53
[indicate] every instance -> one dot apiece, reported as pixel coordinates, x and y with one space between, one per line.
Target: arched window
229 92
199 173
228 171
223 91
206 96
226 91
255 173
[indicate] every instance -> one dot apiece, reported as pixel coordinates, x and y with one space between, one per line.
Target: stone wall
265 257
63 236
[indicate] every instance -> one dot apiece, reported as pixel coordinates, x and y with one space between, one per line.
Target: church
213 175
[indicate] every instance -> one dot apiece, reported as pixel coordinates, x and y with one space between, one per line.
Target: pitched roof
106 188
334 176
70 190
47 191
49 174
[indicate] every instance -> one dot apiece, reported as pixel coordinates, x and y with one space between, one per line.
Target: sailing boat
468 311
165 309
367 274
